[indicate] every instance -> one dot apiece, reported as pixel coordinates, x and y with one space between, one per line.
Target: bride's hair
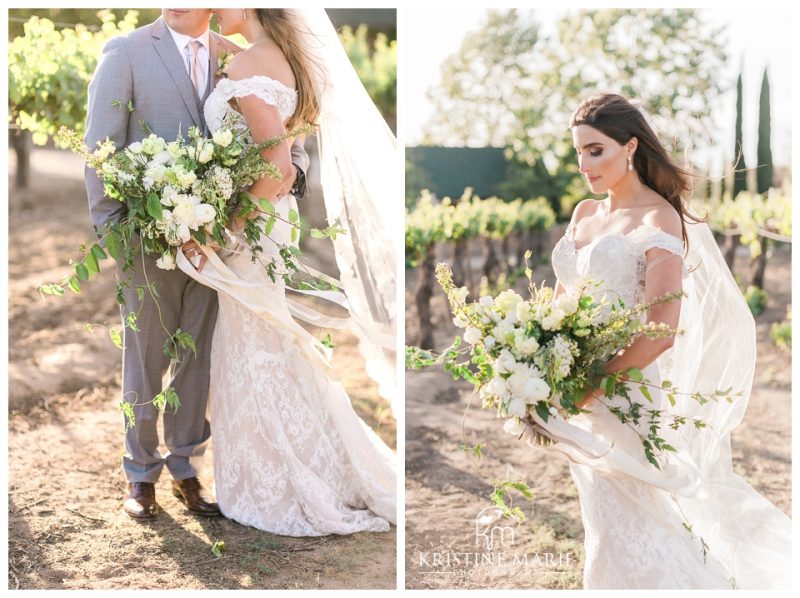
620 119
281 25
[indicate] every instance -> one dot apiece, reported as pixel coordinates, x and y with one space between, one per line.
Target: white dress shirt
182 43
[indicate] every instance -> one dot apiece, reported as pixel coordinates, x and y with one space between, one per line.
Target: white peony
525 345
223 137
504 331
175 150
507 301
157 172
185 179
553 320
168 195
524 312
166 261
153 144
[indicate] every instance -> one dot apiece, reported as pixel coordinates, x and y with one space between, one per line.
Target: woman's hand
589 397
191 249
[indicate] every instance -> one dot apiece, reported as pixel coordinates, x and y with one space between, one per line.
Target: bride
695 523
291 455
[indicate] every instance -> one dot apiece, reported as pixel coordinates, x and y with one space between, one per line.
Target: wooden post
425 282
22 147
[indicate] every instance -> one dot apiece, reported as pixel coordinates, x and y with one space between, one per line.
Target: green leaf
81 272
542 410
646 393
269 225
666 384
74 284
200 235
294 234
116 337
98 252
671 398
218 548
140 293
154 206
635 374
90 261
130 105
327 341
294 217
113 244
127 411
266 206
317 234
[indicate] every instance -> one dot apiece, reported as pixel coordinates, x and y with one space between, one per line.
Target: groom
161 74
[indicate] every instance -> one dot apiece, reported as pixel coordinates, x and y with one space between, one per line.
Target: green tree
376 65
482 82
739 171
763 172
668 59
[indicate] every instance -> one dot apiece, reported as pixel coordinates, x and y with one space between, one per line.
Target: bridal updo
621 120
285 30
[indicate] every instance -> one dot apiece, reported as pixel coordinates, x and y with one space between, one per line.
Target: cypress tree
739 171
763 171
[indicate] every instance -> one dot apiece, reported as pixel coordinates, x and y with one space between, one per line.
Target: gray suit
146 68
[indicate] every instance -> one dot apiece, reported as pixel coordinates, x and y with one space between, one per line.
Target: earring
630 163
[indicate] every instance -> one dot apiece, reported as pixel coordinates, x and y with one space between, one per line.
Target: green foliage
781 332
764 164
740 167
669 59
756 299
376 65
470 217
502 489
218 548
49 72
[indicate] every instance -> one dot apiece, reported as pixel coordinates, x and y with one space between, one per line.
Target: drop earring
630 163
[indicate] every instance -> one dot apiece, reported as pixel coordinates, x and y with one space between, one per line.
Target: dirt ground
66 527
446 489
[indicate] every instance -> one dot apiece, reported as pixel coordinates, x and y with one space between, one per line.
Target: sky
756 38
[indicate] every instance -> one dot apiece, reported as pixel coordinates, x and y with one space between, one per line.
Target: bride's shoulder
584 208
266 60
664 217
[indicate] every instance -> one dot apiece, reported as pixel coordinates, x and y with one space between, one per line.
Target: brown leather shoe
192 494
141 500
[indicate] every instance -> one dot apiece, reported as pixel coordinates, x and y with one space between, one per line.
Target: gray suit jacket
145 68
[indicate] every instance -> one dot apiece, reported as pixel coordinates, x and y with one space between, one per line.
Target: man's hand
288 182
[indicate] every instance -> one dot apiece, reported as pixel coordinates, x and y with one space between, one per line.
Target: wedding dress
291 455
637 522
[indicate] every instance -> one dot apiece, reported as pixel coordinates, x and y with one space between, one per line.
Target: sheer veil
744 531
362 188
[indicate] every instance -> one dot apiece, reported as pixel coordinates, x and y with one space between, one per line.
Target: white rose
204 213
175 150
517 408
185 179
516 382
524 344
507 301
135 147
157 172
489 342
513 426
567 303
472 335
504 331
147 183
160 158
524 312
223 137
166 262
206 153
535 390
486 301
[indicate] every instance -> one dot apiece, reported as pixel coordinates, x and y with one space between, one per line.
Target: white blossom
166 261
513 426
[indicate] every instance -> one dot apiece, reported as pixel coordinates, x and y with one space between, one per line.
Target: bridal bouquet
175 191
542 354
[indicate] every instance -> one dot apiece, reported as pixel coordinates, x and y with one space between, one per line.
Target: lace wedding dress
291 455
635 535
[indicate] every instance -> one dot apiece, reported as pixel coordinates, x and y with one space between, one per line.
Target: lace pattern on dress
269 90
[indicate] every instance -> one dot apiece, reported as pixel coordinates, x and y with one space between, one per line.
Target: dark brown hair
618 118
280 24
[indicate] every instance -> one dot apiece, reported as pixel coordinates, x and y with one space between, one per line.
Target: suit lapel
165 47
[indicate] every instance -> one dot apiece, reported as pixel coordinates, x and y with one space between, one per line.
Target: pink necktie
195 67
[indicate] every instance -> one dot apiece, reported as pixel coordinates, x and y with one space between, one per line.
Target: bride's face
231 20
601 159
